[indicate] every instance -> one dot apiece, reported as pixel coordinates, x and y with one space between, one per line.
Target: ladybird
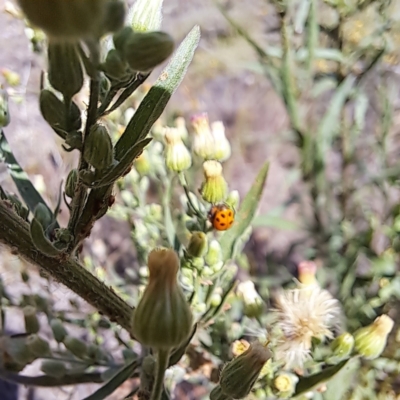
221 217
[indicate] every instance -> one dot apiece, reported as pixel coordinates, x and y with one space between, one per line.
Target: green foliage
162 177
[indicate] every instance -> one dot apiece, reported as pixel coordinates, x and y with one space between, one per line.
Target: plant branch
49 381
14 232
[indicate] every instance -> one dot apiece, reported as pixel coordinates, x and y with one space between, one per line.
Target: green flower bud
252 301
198 263
59 332
144 51
98 149
162 319
342 347
222 148
4 113
197 244
96 353
54 368
71 183
65 69
177 156
114 66
38 346
285 383
214 254
218 394
214 189
146 15
74 140
31 321
120 38
74 118
53 111
17 349
203 142
66 20
76 346
370 341
240 374
142 163
233 199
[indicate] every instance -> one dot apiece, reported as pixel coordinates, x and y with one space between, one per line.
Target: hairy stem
14 232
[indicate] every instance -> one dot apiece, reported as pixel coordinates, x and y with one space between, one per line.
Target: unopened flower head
203 142
142 163
253 303
302 314
197 244
285 384
214 188
371 340
177 156
341 347
222 147
180 125
239 375
163 318
233 199
239 347
307 271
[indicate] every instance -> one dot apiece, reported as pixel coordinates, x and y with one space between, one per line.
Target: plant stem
79 198
162 365
14 232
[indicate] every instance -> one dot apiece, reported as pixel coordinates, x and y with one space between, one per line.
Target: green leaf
21 179
307 383
340 383
155 101
114 383
245 214
120 169
275 221
330 124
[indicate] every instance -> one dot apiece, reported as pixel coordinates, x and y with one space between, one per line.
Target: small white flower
203 141
253 303
302 314
177 156
222 149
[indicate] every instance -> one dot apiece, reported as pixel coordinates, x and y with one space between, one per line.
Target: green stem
183 183
162 365
79 199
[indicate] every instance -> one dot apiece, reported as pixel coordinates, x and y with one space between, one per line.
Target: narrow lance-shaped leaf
157 98
329 126
21 179
245 215
120 169
114 383
307 383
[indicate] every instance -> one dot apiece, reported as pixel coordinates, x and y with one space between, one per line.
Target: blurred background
332 192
